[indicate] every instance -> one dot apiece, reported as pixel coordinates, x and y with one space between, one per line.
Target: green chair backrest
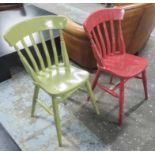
18 33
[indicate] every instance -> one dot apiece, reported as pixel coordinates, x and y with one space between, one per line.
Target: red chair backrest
103 28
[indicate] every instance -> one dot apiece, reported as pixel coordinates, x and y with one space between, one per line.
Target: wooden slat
30 55
113 36
101 41
96 41
107 38
37 52
97 54
45 49
120 38
64 52
54 48
27 66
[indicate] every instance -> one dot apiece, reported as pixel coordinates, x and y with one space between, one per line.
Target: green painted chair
58 79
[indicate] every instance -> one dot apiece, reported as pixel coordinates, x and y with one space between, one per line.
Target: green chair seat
57 83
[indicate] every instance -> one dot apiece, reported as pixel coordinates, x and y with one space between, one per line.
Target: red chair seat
125 65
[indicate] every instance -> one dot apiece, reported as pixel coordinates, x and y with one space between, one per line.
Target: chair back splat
29 32
104 30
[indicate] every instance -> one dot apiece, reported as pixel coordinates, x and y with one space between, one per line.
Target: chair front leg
35 96
121 102
57 119
144 79
91 94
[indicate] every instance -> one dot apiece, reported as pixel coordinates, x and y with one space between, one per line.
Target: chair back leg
34 101
144 79
91 94
95 81
111 78
121 102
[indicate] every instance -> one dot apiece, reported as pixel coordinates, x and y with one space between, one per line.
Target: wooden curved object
78 45
138 23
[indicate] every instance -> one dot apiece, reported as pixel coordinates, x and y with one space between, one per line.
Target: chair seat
125 65
57 83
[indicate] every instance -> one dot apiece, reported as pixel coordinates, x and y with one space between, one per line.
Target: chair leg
91 94
57 120
35 96
111 78
121 102
144 79
95 81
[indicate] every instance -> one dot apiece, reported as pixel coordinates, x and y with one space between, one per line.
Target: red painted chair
103 28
